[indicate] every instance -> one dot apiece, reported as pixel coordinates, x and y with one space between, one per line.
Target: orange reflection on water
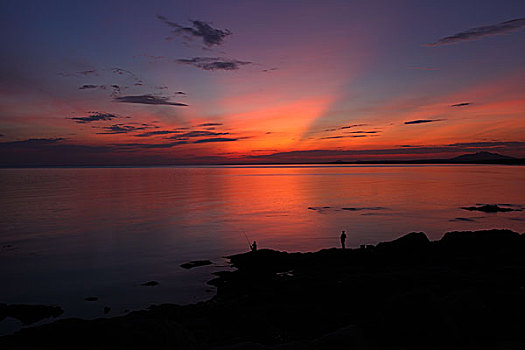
199 209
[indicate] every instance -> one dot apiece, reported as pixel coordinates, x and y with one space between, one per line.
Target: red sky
209 82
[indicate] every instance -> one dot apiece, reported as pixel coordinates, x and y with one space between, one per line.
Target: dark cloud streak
480 32
218 139
149 145
31 142
88 86
210 124
422 121
351 126
158 132
124 128
198 133
209 35
94 117
213 63
147 100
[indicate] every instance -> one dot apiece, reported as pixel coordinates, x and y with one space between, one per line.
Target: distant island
470 158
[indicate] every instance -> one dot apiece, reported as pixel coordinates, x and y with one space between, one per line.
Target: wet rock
364 208
195 263
150 284
334 209
489 208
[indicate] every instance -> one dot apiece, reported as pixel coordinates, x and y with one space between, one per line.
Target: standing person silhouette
343 239
253 246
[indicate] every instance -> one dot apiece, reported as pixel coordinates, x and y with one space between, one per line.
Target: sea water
71 233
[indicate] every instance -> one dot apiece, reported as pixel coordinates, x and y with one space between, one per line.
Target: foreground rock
28 314
465 291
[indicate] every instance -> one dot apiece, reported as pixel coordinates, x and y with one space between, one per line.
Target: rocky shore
466 290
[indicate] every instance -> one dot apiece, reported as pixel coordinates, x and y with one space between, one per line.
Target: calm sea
67 234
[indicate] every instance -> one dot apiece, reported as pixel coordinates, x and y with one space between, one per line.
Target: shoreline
466 290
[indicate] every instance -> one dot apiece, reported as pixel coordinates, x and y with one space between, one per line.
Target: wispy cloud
94 118
332 137
150 145
480 32
31 142
148 100
341 137
124 128
88 86
210 124
351 126
150 56
116 89
198 133
345 127
354 134
56 151
88 72
158 132
218 139
463 104
209 35
422 121
213 63
122 71
431 69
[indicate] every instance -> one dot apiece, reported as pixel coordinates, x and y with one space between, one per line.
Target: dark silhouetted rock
489 208
465 291
28 314
469 242
128 332
196 263
411 242
107 309
91 299
150 284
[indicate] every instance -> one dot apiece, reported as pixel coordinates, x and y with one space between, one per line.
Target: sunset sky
207 82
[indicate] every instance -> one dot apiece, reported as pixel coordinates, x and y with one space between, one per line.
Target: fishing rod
249 243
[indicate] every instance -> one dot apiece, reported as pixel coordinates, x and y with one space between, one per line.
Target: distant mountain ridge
481 156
